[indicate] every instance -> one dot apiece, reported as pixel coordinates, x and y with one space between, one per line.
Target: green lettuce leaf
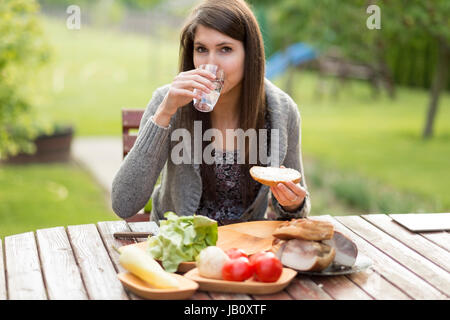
181 239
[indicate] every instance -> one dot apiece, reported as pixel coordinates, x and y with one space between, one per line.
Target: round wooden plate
144 290
248 287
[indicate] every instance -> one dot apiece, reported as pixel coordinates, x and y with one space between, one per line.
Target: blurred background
371 84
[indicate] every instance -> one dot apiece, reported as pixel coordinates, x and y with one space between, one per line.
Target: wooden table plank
403 281
3 295
24 277
60 270
282 295
107 230
229 296
146 226
200 295
303 288
413 240
378 287
341 288
441 238
431 273
97 270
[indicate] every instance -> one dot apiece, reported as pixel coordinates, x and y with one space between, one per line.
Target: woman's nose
212 59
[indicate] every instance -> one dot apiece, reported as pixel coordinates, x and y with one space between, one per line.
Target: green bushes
339 192
22 51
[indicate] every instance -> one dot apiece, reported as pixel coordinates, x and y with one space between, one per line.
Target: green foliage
340 192
140 4
135 4
102 13
22 51
406 42
343 23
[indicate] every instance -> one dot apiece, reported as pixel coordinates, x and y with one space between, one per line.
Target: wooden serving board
261 229
185 290
248 287
422 222
229 238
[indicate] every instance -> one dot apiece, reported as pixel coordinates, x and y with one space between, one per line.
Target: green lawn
377 138
43 196
94 73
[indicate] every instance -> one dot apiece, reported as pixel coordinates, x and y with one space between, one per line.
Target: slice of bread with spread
271 176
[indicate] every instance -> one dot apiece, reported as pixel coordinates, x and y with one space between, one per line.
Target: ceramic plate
362 263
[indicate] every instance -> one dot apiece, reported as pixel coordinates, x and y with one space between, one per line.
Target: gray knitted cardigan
180 189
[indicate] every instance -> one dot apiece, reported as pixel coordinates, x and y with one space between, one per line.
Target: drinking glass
208 101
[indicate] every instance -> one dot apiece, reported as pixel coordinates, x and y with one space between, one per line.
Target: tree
22 49
431 17
342 24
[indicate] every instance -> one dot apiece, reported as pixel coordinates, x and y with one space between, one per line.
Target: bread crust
272 183
324 260
305 229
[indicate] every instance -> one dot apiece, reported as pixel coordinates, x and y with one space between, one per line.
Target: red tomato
255 256
234 253
267 267
238 269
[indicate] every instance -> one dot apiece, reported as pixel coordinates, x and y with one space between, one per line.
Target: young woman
224 33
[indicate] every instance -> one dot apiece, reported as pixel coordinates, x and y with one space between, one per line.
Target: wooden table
79 262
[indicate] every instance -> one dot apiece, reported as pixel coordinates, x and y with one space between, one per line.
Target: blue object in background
294 55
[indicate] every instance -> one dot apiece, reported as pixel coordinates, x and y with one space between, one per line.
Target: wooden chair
131 118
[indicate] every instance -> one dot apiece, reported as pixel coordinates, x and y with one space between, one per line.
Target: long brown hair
235 19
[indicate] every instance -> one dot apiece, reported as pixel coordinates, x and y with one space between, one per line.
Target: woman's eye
200 49
226 49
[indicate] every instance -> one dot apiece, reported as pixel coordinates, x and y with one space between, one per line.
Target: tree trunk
439 84
384 71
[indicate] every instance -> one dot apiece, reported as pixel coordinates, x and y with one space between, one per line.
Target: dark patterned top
228 206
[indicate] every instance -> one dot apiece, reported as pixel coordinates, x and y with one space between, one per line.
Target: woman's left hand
290 195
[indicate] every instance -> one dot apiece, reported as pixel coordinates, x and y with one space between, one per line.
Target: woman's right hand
181 91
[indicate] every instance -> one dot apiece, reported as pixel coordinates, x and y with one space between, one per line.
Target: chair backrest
131 118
